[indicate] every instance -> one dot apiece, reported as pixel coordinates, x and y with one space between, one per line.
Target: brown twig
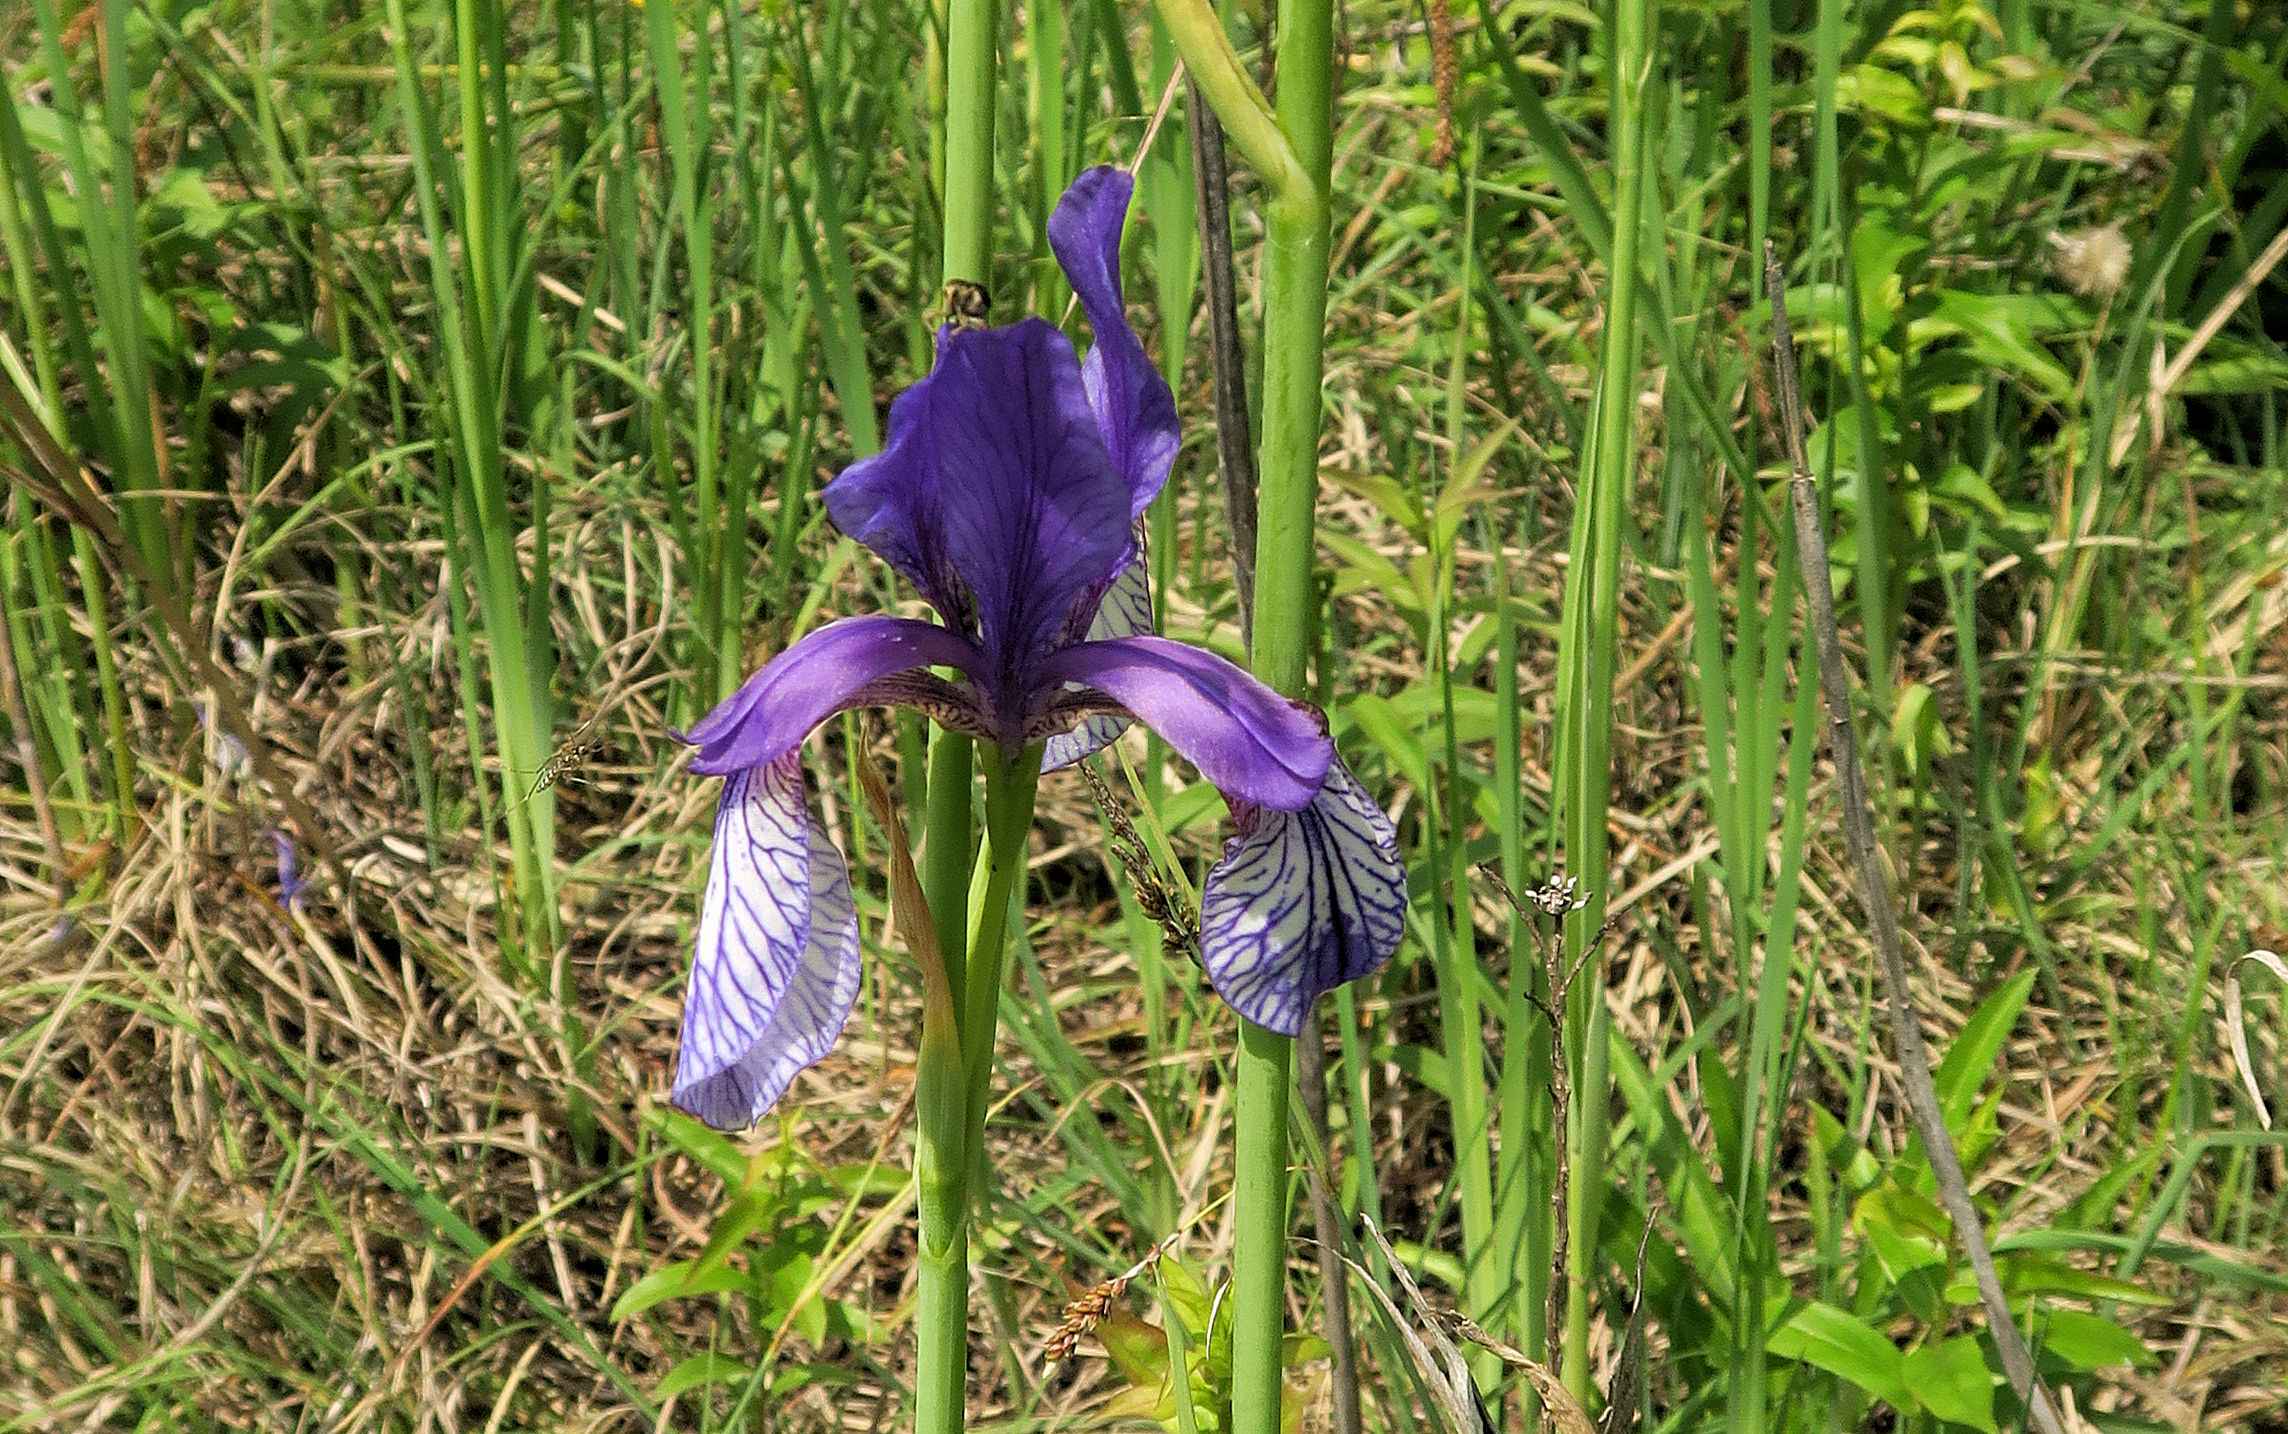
1235 449
28 753
1874 884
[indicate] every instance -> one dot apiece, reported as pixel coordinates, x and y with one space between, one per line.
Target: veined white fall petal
777 969
1302 902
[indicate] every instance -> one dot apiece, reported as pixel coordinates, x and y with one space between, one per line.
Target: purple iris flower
1008 495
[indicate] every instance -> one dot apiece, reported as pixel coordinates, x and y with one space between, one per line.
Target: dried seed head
2092 262
1088 1309
1160 902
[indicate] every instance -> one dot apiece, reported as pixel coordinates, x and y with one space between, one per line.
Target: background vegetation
455 384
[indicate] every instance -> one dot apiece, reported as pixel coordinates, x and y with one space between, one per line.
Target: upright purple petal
851 663
1133 405
1248 740
1302 902
776 970
995 494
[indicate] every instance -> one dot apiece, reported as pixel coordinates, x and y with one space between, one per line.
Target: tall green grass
470 369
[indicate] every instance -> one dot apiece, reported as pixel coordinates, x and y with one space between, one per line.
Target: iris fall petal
776 971
1302 902
1255 745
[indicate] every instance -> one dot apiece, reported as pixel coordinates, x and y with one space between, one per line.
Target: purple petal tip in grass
291 886
1007 494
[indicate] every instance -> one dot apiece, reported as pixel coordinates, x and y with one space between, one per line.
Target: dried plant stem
1235 451
1327 1227
28 754
1874 884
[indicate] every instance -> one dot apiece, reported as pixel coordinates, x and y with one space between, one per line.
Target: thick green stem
1585 658
954 1080
1008 821
942 1158
1259 1229
971 39
1293 157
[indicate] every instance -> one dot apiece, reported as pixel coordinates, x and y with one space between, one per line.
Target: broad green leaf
1302 1349
702 1369
1950 1379
1185 1291
1845 1345
2033 1275
1971 1057
673 1282
1907 1231
1154 1402
1139 1349
2085 1341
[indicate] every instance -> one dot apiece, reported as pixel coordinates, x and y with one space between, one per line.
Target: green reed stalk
1586 670
954 1077
1292 149
946 1153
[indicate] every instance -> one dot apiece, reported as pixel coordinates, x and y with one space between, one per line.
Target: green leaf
1914 728
1156 1403
2085 1342
867 1181
2001 333
2034 1275
1908 1232
1843 1344
1185 1292
702 1369
1971 1058
745 1215
1950 1379
1302 1349
1139 1349
678 1281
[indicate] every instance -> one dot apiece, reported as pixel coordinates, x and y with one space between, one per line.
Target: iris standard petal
1248 740
995 494
1302 902
841 665
776 970
1134 408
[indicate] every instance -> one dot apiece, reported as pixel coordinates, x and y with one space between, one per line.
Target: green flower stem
1292 150
1248 120
955 1075
1009 795
943 1154
1585 660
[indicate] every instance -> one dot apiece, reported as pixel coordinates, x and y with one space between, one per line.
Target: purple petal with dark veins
776 969
1248 740
1302 902
1133 405
831 669
1125 610
995 494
